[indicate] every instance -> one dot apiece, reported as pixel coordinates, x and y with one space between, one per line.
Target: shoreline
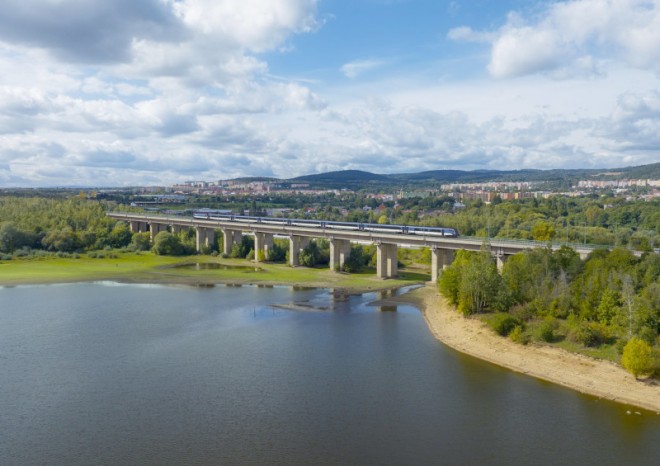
599 378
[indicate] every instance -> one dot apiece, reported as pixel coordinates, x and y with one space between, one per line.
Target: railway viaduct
387 243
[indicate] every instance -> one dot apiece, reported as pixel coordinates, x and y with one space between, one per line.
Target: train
208 214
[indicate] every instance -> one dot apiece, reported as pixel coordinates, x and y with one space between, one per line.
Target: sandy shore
595 377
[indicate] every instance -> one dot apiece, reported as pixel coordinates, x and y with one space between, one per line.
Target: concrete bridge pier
440 260
263 242
296 244
176 229
386 260
501 259
229 238
155 228
204 237
137 227
340 249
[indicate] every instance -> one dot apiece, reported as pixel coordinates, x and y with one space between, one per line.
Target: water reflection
215 266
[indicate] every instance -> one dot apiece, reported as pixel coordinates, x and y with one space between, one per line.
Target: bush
638 358
141 241
546 331
592 334
503 323
523 312
357 259
167 244
620 345
241 249
517 335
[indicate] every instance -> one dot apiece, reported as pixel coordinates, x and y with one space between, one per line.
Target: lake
107 373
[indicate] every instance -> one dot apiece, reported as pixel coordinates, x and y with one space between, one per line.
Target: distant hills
358 179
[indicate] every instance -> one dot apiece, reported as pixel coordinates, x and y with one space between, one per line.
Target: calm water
125 374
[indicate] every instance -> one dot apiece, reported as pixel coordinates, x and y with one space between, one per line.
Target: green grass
150 268
607 352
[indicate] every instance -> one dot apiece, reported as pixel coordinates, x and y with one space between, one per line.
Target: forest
600 305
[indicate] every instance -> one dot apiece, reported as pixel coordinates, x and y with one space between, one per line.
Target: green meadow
194 270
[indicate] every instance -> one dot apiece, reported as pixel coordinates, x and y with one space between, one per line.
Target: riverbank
599 378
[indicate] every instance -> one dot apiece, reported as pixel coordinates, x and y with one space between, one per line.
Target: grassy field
150 268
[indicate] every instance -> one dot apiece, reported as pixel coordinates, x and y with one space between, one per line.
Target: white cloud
355 68
255 25
467 34
569 33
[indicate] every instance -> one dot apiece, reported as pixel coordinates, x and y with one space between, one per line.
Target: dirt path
595 377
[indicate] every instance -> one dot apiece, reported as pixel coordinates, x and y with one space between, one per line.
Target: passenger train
351 226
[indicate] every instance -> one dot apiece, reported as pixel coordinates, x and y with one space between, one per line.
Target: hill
358 179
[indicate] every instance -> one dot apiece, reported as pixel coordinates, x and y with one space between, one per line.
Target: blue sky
152 92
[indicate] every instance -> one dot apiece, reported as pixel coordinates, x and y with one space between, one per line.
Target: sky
155 92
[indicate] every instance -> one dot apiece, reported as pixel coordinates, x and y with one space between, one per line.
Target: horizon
157 92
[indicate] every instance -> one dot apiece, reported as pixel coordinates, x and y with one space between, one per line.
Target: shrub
522 312
167 244
503 323
141 241
546 331
592 334
517 335
620 345
638 358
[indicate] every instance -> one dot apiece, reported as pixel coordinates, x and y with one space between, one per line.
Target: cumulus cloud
90 31
634 125
136 86
566 35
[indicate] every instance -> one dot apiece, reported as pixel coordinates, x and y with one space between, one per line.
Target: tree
543 231
61 240
356 259
310 255
9 237
141 241
479 284
608 306
167 244
242 248
450 279
120 235
638 357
